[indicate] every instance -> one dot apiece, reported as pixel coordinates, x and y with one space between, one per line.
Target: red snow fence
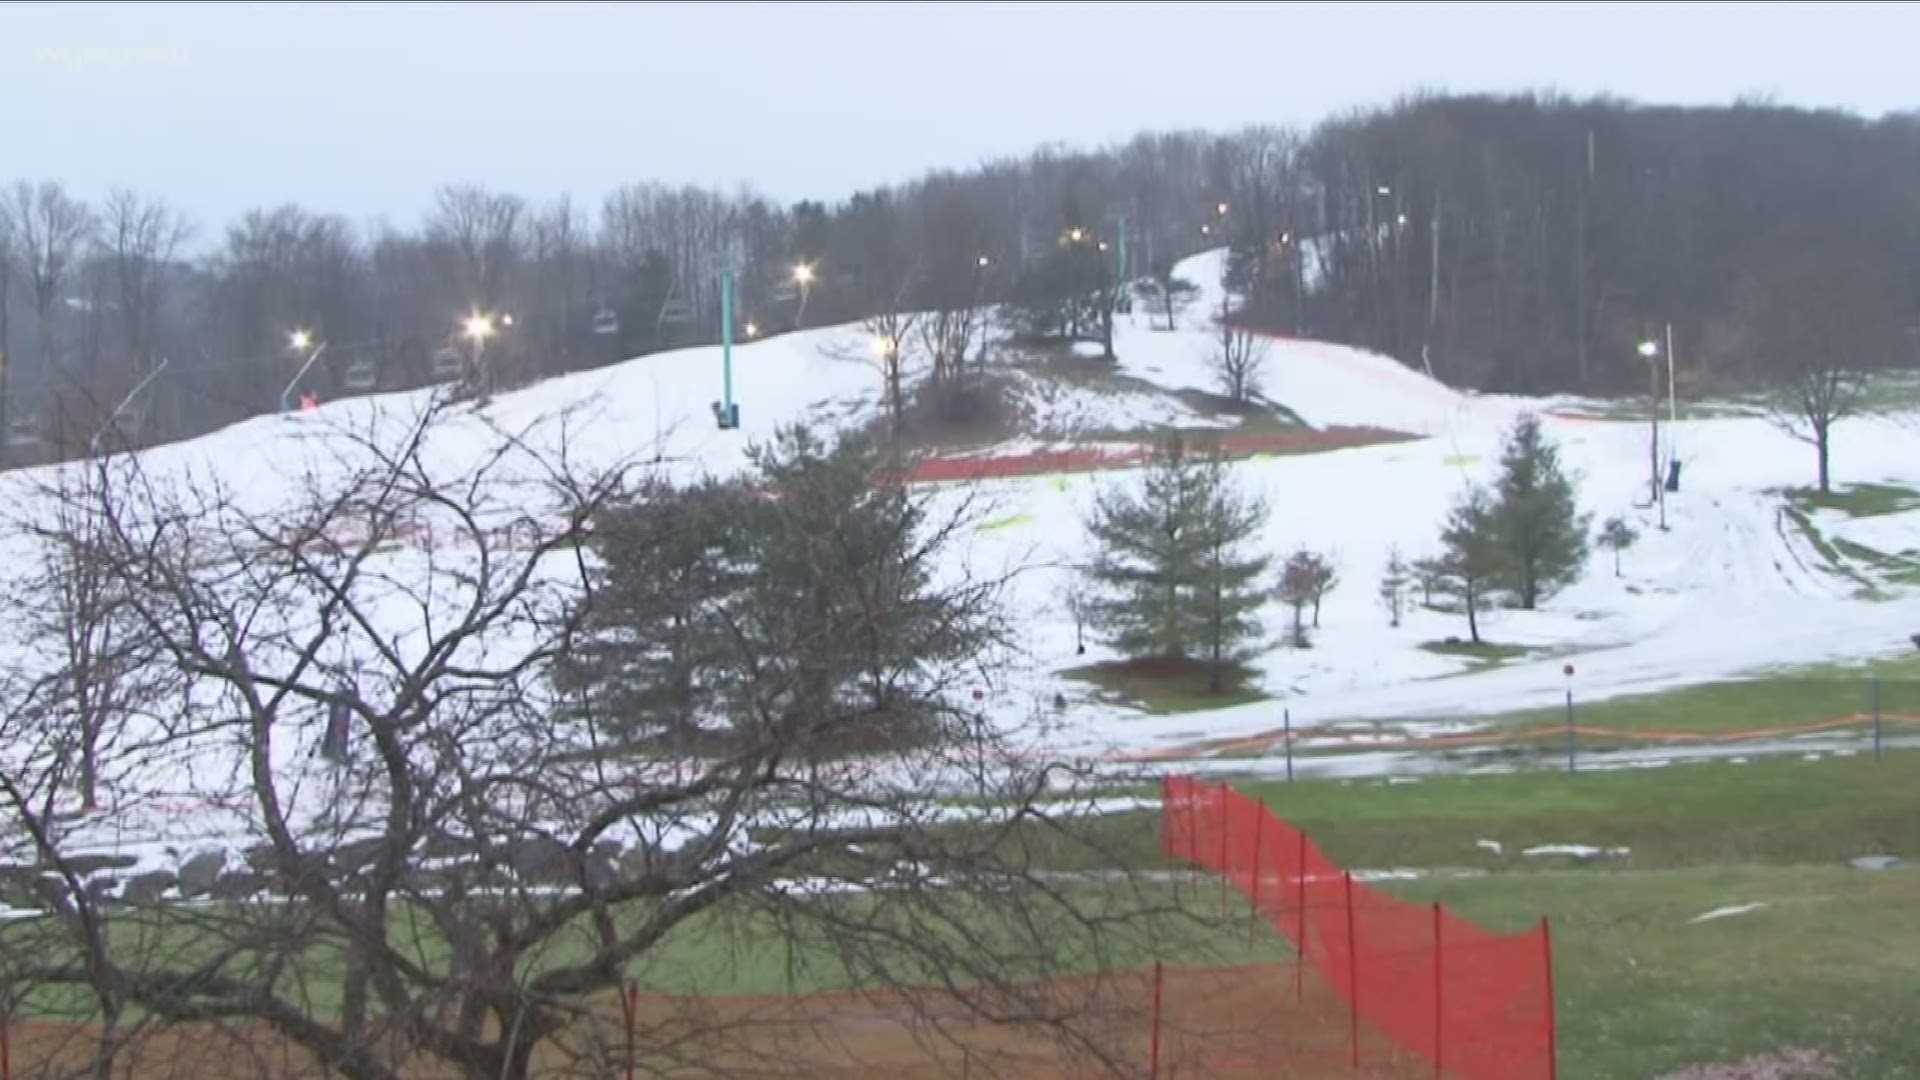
1470 1002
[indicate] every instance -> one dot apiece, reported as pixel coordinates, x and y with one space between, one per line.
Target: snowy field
1733 587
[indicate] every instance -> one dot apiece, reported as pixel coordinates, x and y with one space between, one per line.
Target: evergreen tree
1539 529
1168 560
1471 561
642 666
1229 580
1617 536
802 602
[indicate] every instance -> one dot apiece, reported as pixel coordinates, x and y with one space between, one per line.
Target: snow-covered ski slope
1731 588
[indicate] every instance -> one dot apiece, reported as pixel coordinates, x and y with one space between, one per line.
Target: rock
199 873
1876 862
355 856
261 858
145 889
88 865
239 885
541 860
19 885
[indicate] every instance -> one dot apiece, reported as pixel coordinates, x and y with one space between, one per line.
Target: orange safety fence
1470 1002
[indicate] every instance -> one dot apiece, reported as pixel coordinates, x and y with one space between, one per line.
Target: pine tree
666 561
1229 580
1471 561
1617 536
1168 561
1539 529
1394 581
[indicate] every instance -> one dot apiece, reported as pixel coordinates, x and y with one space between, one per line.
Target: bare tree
1305 579
1239 358
455 891
50 227
485 233
141 238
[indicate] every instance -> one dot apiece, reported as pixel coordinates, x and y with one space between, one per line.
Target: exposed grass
740 948
1492 652
1858 500
1831 963
1163 687
1766 701
1781 810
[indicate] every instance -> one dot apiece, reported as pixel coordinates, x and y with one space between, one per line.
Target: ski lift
786 292
605 321
449 363
361 376
675 311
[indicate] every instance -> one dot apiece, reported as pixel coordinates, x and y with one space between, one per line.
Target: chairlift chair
675 311
786 292
606 322
361 376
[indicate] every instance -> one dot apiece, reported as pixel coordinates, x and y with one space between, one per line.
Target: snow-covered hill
1731 587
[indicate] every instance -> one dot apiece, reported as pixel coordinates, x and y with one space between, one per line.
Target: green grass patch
1832 963
1768 701
743 947
1858 500
1772 810
1489 651
1164 687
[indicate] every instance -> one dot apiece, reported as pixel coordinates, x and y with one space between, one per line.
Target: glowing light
1649 349
299 340
753 330
803 274
478 327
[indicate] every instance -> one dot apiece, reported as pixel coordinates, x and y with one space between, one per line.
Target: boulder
147 889
239 885
88 865
199 873
543 861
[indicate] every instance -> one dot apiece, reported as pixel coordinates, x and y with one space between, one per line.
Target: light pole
478 328
1650 351
803 276
299 341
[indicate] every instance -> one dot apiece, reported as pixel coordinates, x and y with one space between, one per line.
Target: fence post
1259 829
1286 718
1153 1064
1222 868
1876 716
1300 906
1193 822
631 1002
1553 1033
1439 1000
1570 740
1353 973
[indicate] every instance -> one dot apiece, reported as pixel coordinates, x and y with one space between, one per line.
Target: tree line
1522 243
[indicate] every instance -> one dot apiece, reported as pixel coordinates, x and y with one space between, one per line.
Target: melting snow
1725 912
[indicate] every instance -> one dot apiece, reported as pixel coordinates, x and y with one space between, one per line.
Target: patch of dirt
1236 1023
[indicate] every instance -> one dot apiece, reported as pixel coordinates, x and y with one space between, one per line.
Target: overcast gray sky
364 108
